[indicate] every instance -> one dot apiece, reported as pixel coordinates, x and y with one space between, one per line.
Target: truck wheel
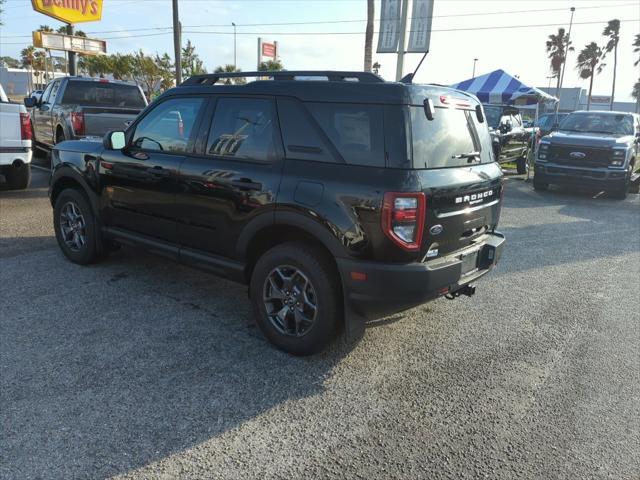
18 178
522 165
76 228
295 298
619 193
538 185
59 137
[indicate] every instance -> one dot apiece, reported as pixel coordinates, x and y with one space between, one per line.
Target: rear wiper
469 156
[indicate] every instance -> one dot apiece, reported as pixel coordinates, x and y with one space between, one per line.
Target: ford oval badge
436 230
577 154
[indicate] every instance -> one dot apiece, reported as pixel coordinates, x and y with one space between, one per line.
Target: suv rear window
103 94
355 130
453 132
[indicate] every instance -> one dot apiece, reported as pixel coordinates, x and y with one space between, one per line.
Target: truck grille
568 155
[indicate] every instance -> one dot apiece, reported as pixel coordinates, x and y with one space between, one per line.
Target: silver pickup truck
72 108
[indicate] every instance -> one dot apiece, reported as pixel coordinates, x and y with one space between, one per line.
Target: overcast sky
519 51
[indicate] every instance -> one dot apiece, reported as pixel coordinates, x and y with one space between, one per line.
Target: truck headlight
543 151
618 157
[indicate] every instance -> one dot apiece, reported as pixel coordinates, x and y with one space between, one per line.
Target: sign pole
72 55
401 46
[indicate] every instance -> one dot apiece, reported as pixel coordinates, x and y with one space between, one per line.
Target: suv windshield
598 122
453 138
103 94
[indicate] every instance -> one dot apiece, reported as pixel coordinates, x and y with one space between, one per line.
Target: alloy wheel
73 226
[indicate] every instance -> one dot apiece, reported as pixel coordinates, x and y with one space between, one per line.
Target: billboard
69 43
70 11
269 50
420 33
390 25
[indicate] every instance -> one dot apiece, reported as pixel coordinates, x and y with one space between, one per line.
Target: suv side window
302 141
45 95
356 131
243 128
168 127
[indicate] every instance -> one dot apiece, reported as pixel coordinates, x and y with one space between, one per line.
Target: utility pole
177 47
475 60
401 46
235 58
566 50
72 55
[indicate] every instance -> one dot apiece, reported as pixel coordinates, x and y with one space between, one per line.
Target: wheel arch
65 177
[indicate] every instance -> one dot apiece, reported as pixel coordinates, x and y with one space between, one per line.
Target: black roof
331 86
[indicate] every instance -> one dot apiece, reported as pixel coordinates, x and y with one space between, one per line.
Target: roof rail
213 78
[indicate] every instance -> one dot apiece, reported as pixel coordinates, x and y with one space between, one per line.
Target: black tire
92 249
537 185
522 165
619 193
18 178
59 137
317 270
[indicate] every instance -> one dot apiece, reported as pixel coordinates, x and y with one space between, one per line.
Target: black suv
591 148
336 196
511 140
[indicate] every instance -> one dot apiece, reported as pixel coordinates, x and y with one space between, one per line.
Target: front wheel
619 193
538 185
76 228
522 165
295 298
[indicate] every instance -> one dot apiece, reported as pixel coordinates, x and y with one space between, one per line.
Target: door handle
160 172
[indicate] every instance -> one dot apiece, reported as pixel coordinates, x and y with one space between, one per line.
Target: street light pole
235 60
177 47
475 60
566 49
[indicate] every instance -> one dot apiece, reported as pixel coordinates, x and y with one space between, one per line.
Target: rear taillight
77 122
403 216
26 133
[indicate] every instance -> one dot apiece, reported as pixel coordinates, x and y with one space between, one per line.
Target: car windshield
598 122
493 114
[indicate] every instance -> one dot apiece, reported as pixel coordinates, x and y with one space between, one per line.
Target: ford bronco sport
335 196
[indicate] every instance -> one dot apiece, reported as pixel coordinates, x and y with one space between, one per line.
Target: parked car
72 108
312 192
511 141
593 148
547 122
15 143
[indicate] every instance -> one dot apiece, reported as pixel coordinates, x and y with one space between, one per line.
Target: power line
334 22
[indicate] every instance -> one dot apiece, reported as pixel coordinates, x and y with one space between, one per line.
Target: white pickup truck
15 143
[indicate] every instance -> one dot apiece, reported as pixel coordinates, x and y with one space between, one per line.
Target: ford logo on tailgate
577 155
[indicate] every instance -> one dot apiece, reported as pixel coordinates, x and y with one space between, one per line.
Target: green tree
635 93
10 62
45 28
121 66
636 45
271 66
588 60
165 70
612 32
368 36
152 73
557 47
96 65
191 63
231 69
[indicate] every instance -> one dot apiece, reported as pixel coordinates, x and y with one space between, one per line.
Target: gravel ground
140 368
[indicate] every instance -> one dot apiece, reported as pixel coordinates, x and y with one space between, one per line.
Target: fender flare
66 171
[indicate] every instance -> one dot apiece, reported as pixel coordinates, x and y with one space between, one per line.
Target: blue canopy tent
500 88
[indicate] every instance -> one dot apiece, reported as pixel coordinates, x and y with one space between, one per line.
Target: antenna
409 78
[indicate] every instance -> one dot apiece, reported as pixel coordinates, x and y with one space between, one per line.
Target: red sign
269 50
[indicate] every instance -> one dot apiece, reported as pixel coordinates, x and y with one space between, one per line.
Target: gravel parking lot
141 368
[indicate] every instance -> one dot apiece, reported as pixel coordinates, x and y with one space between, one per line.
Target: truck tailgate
99 120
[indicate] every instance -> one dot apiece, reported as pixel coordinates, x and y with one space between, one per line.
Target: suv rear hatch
453 159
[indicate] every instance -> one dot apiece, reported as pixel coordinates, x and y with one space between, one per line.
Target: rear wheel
76 228
18 178
522 165
538 185
295 298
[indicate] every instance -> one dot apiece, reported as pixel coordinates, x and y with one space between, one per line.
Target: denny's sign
70 11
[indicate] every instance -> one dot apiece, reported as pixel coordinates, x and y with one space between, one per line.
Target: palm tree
588 60
271 66
636 44
45 28
368 36
230 69
557 47
27 58
612 31
636 94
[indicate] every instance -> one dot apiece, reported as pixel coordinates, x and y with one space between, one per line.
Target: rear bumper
8 155
391 288
562 174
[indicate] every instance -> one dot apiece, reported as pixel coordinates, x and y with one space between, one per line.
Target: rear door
234 177
462 184
141 180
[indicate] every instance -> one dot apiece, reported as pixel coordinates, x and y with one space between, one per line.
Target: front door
139 182
42 114
234 178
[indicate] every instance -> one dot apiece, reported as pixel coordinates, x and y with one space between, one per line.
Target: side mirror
479 114
114 140
30 102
